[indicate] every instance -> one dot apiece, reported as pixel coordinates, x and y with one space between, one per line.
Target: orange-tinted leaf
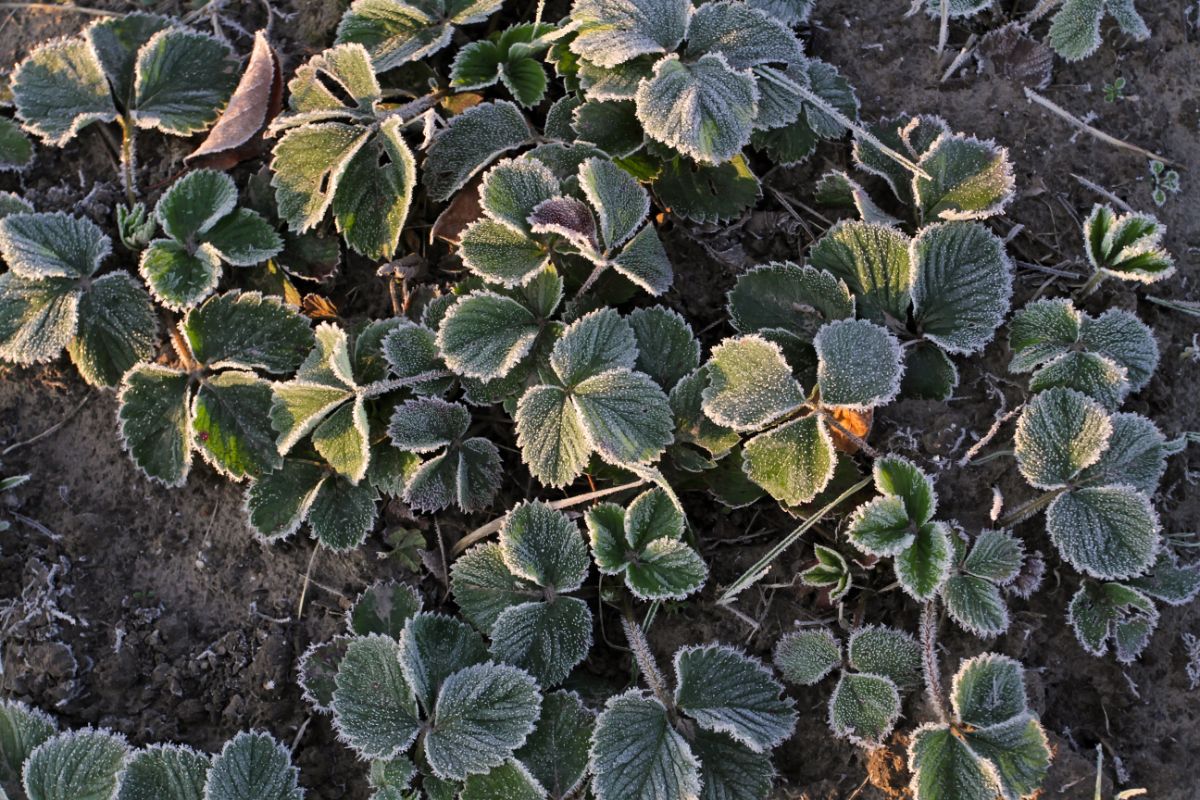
857 422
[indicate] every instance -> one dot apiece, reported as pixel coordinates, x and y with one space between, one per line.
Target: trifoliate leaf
466 474
165 772
612 32
1169 581
342 439
749 384
184 79
38 318
396 32
667 348
432 648
899 477
511 780
1075 30
859 364
745 36
556 753
232 424
247 330
962 287
637 754
383 608
79 765
831 571
342 513
484 586
925 565
707 192
1109 532
253 766
374 709
1060 433
471 141
703 109
864 708
22 729
725 691
57 245
805 657
729 770
996 556
1121 336
483 714
971 179
61 89
783 296
1104 613
874 261
156 421
1127 246
411 351
117 328
542 545
976 605
793 462
987 690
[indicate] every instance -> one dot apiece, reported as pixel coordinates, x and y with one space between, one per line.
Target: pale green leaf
805 657
60 89
374 192
38 318
875 262
626 416
1169 581
552 439
342 439
793 462
891 653
1128 246
611 32
542 545
1042 331
971 179
79 765
231 424
859 364
307 166
1060 433
749 384
484 335
502 255
864 708
118 327
644 261
433 647
996 556
22 729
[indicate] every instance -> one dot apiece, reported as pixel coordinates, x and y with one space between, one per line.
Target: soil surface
156 613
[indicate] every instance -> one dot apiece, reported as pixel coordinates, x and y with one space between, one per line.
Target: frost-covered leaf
425 424
796 141
57 245
178 278
1041 331
923 567
904 134
1108 532
881 527
1127 246
1169 581
22 729
1112 613
704 109
383 608
792 462
874 261
511 780
859 364
375 191
899 477
839 190
484 586
789 12
156 421
342 513
987 690
556 753
707 192
621 204
483 714
307 165
644 261
118 327
1060 433
944 766
466 474
184 79
12 204
957 8
323 382
863 707
398 32
317 671
1075 29
636 753
471 141
1018 752
411 351
548 639
79 765
962 286
433 647
247 330
374 709
502 255
929 374
16 151
61 89
610 125
831 571
232 424
976 605
749 384
996 556
891 653
569 218
542 545
625 414
253 766
1121 336
551 436
513 188
37 317
611 32
805 657
165 772
745 36
784 296
691 423
971 179
667 348
725 691
729 770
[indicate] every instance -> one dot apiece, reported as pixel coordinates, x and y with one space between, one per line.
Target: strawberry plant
1126 246
1075 27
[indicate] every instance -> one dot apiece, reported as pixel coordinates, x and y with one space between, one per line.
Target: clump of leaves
51 299
992 745
1105 357
878 664
831 572
396 32
1166 182
204 229
517 591
711 736
215 402
100 765
1125 246
1075 28
643 544
980 572
509 57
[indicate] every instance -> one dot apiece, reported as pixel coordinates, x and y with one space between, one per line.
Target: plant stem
128 158
383 387
944 28
849 434
182 349
756 572
1092 284
929 660
485 531
645 660
93 12
1027 510
414 107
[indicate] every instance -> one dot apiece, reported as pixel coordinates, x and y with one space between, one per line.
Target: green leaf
620 202
177 278
881 527
996 556
16 151
707 193
465 474
1169 581
12 204
342 439
397 33
383 608
57 245
484 335
548 639
116 42
805 657
667 348
278 502
375 191
1127 246
38 318
976 605
432 647
725 691
666 570
875 262
502 255
471 141
899 477
636 754
511 780
1018 752
783 296
612 32
317 671
1059 434
744 36
411 351
165 772
831 571
232 424
426 424
512 189
864 708
476 65
195 203
859 364
987 690
556 753
703 109
793 462
789 12
943 766
542 545
156 422
904 134
322 383
971 179
247 330
1121 336
243 239
483 586
922 569
610 125
184 79
342 514
644 261
1042 331
749 384
373 706
962 287
117 328
307 165
61 89
626 416
929 374
888 652
691 423
729 770
1075 30
483 714
1104 613
22 729
80 765
1108 532
551 436
253 766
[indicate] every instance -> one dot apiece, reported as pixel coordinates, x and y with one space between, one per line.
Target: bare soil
155 612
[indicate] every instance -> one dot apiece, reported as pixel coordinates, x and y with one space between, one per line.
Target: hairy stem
1092 284
128 158
645 660
1024 512
929 660
383 387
